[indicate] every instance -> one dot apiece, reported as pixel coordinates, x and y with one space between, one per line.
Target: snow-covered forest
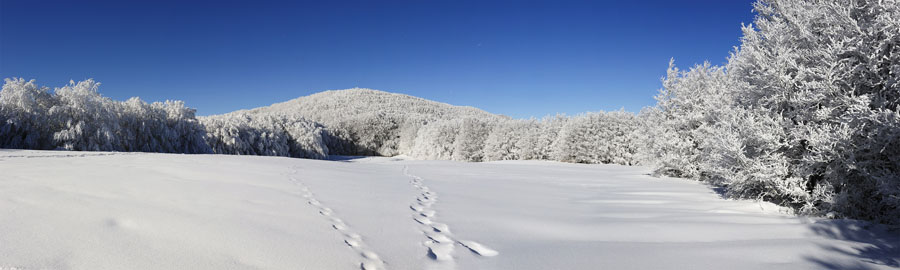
77 117
805 113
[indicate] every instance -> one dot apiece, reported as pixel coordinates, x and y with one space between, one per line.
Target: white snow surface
95 210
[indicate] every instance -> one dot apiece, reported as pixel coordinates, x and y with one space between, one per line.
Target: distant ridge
326 106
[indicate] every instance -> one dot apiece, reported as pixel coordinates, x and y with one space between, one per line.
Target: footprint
352 242
427 213
439 237
339 226
371 265
369 255
423 220
440 251
370 260
479 248
416 207
440 227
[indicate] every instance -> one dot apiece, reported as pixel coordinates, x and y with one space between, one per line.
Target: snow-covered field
90 210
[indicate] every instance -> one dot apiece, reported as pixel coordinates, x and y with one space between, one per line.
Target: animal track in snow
440 251
440 242
479 248
423 220
427 213
440 227
438 237
369 260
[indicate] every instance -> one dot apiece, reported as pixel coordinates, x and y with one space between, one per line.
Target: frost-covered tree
805 112
689 102
550 128
376 133
23 112
503 141
436 140
830 71
268 135
528 146
469 142
77 117
602 137
90 119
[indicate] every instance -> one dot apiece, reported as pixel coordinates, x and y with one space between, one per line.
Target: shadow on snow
872 244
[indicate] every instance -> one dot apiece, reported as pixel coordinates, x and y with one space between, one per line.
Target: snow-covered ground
89 210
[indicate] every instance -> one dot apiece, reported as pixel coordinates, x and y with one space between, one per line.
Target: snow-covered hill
331 107
372 122
366 121
102 210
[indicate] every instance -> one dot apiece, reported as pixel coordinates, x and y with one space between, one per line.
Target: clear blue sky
518 58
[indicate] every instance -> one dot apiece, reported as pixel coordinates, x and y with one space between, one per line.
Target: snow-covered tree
469 142
805 112
24 122
503 141
688 102
268 135
830 71
602 137
77 117
436 140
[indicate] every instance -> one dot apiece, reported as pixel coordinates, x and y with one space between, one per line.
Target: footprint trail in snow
369 259
440 242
